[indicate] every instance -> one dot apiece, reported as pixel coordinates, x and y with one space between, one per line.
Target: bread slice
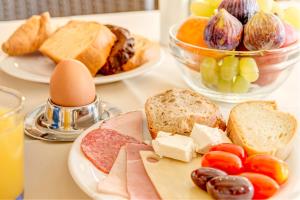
261 129
88 42
177 110
145 50
29 36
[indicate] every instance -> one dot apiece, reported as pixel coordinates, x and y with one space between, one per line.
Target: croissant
29 36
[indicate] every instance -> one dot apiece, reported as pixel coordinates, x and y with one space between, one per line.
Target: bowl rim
174 28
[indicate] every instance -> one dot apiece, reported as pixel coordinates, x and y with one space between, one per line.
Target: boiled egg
71 84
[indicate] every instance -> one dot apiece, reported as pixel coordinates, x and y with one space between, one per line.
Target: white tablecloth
46 173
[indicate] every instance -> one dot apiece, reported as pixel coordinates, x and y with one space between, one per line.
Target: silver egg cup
52 122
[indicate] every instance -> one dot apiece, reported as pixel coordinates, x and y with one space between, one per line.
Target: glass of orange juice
11 144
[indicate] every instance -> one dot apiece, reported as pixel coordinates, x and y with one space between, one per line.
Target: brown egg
71 84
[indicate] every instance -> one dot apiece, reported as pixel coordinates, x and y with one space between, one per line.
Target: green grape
265 5
202 8
209 71
224 86
215 3
229 68
249 69
292 16
240 85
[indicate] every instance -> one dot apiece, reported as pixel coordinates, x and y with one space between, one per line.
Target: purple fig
243 10
264 31
223 31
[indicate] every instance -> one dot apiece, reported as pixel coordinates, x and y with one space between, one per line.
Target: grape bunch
291 14
204 8
229 75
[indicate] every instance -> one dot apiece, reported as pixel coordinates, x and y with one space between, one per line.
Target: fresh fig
243 10
223 31
264 31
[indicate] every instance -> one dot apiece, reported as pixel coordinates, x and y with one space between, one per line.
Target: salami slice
101 147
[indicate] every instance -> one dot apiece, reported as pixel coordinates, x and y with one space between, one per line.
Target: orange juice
11 156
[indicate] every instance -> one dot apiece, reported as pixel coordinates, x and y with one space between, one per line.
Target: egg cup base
34 129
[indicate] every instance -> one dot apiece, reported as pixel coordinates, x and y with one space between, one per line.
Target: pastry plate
38 68
87 176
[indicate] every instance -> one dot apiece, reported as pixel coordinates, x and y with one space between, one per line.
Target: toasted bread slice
88 42
177 110
261 129
29 36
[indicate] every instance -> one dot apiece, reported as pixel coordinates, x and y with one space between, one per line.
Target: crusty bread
29 36
261 129
145 50
88 42
177 110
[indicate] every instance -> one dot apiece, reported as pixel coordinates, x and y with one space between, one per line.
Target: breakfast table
46 167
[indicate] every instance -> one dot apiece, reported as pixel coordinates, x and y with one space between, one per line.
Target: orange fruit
192 31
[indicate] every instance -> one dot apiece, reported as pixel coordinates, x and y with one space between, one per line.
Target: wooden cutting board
171 178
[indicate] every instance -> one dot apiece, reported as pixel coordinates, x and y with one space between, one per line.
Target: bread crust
215 120
145 50
236 135
96 55
97 52
29 36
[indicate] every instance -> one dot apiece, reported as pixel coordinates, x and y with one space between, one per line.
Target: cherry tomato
264 186
268 165
225 161
231 148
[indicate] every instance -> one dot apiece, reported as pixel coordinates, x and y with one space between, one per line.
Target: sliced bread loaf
88 42
261 129
177 110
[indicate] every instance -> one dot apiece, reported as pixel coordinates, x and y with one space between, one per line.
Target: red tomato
268 165
231 148
264 186
225 161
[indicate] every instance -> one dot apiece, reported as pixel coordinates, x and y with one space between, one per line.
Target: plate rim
144 68
71 168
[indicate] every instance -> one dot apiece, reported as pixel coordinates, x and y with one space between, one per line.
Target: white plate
86 175
83 172
38 68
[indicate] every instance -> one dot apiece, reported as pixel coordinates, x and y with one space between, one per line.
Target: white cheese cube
163 134
204 137
177 147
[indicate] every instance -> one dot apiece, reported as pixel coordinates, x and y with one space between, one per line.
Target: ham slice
139 185
130 124
115 182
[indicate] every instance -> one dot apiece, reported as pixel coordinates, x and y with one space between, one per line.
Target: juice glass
11 144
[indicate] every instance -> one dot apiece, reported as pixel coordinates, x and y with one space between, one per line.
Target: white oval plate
87 176
84 173
38 68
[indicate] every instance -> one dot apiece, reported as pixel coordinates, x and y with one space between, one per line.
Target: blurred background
22 9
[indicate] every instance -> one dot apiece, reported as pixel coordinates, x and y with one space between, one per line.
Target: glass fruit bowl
209 71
